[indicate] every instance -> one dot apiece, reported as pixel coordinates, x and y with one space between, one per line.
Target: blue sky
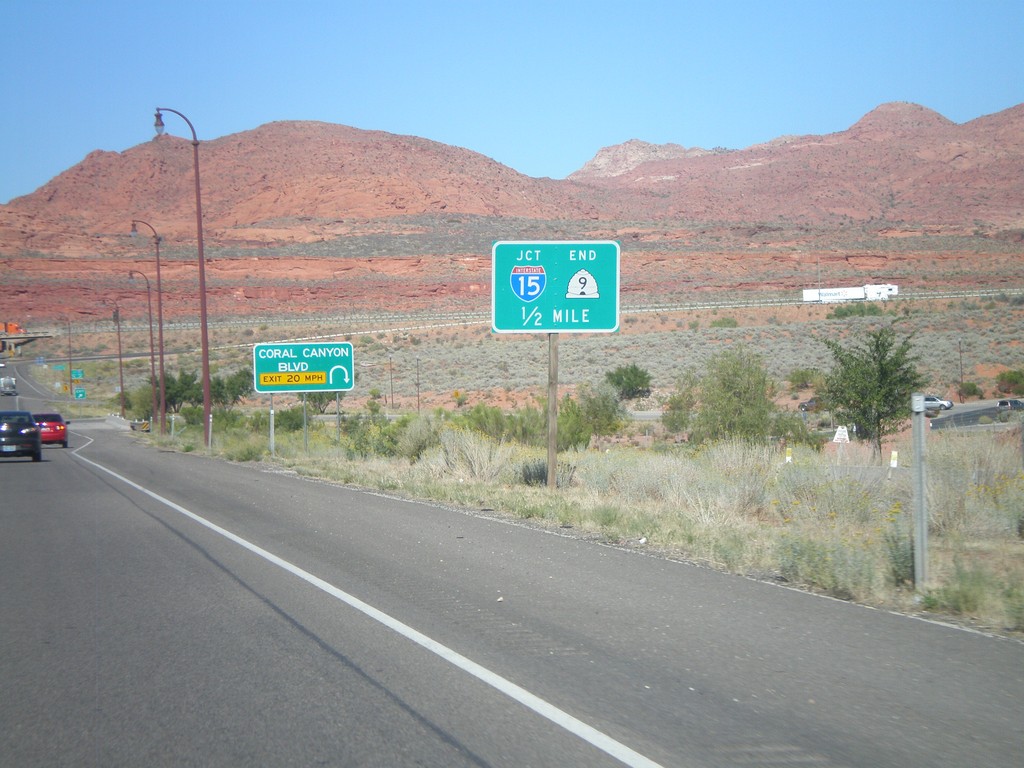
539 86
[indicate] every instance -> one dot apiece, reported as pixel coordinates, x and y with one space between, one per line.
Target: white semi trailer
858 293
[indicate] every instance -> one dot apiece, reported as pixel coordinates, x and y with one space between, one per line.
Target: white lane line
545 709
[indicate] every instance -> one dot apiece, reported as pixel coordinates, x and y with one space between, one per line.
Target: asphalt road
168 609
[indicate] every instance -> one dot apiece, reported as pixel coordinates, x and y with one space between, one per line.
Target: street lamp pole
161 415
960 349
120 357
71 386
158 124
152 355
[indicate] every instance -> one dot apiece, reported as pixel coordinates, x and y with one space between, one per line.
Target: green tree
735 396
573 429
680 405
871 382
1011 382
601 409
630 381
320 401
226 392
804 378
183 390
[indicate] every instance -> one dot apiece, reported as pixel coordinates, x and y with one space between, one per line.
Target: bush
1011 382
804 378
970 389
855 310
469 455
725 322
288 419
420 435
630 381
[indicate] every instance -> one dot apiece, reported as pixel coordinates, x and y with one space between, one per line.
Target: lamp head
158 123
135 230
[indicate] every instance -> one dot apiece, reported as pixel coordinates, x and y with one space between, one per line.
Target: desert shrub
725 322
804 378
367 436
465 454
419 435
1011 382
974 487
855 310
225 419
899 550
629 381
966 592
243 446
842 568
600 409
534 471
485 419
573 429
286 419
970 389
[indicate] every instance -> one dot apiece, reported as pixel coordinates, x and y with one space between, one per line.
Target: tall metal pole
203 327
154 413
162 415
71 385
960 349
120 357
920 502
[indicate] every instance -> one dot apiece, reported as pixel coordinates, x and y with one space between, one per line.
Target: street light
120 357
152 354
158 124
71 386
161 415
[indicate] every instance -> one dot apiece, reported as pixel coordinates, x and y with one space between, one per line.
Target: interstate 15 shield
528 282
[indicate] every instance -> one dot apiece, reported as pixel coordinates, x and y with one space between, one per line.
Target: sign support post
552 410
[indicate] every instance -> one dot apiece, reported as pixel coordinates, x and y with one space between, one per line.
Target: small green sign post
313 367
555 287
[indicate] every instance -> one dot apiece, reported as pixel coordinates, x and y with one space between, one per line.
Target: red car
52 428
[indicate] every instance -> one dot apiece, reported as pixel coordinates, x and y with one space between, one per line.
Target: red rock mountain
291 208
289 181
900 163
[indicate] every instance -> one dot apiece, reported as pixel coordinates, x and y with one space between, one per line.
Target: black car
19 435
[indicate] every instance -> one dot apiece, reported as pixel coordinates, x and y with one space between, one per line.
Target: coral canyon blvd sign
317 367
553 286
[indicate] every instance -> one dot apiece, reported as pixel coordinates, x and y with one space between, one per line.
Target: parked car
1010 405
933 403
52 428
19 435
810 406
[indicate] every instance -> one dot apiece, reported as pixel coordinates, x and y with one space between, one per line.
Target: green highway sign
79 393
77 373
312 367
555 286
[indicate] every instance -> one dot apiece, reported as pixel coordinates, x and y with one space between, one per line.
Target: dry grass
826 522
